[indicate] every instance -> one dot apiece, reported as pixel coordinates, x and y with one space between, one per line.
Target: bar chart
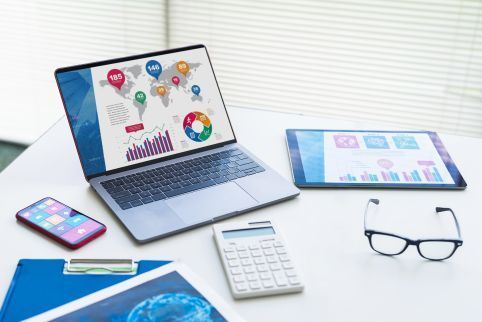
427 173
159 144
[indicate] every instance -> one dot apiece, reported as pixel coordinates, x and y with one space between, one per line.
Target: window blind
39 36
415 64
410 63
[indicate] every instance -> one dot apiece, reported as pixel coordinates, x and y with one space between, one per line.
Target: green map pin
140 97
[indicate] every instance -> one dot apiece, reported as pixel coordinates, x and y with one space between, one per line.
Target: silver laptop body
186 190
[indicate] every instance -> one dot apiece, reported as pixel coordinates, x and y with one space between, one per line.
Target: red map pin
175 80
116 78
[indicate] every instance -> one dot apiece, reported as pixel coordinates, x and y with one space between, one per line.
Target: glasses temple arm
442 209
376 202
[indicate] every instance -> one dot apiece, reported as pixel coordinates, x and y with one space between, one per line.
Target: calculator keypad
260 268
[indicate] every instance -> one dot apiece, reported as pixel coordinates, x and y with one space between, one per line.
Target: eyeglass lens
436 249
389 245
392 245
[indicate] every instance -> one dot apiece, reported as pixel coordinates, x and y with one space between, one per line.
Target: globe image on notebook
171 307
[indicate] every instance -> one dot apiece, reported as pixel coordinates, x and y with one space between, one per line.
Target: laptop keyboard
168 181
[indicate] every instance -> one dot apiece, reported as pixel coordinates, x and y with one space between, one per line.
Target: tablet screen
377 158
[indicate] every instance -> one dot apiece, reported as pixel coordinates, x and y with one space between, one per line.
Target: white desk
345 280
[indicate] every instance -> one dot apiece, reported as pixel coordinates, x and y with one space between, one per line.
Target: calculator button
230 255
281 281
287 265
268 284
281 250
228 249
284 258
265 244
294 280
241 247
252 277
278 274
262 268
233 263
265 276
236 271
243 254
256 253
271 259
259 260
253 246
275 267
238 278
241 287
246 262
249 269
255 285
278 244
290 272
269 251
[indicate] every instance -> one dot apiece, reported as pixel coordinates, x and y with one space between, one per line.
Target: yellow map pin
161 90
182 67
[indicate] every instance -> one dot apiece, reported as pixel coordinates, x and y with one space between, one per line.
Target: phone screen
62 221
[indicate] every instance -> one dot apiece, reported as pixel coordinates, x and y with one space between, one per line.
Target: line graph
156 129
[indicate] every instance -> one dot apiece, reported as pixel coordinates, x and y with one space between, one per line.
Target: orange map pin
182 67
161 90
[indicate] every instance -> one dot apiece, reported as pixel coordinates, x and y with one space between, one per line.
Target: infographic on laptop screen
137 110
378 158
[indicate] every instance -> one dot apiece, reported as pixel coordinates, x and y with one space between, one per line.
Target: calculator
256 260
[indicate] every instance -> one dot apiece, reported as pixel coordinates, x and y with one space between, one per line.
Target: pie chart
197 126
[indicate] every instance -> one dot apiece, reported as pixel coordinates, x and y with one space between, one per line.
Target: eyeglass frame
408 241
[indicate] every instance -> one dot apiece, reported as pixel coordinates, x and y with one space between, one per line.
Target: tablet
388 159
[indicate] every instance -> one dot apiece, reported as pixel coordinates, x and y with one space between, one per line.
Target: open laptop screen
134 110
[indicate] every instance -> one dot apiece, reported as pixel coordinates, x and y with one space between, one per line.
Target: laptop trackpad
203 205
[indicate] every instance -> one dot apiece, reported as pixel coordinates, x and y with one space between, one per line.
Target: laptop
155 142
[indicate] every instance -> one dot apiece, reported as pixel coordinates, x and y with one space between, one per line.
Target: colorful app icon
55 219
45 225
346 141
38 217
80 231
26 214
66 213
61 229
405 142
376 142
49 202
76 220
54 208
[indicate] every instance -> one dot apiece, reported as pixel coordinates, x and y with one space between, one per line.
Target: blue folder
41 284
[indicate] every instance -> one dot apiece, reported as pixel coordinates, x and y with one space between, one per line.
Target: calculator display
250 232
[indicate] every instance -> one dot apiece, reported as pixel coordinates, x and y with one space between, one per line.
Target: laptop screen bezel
128 58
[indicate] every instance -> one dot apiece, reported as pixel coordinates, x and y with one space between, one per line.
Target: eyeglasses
392 244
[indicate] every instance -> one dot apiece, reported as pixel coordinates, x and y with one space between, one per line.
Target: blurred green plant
9 152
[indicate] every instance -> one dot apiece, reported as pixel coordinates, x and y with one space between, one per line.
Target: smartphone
61 223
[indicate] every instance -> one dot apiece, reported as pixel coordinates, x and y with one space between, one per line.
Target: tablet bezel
299 174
